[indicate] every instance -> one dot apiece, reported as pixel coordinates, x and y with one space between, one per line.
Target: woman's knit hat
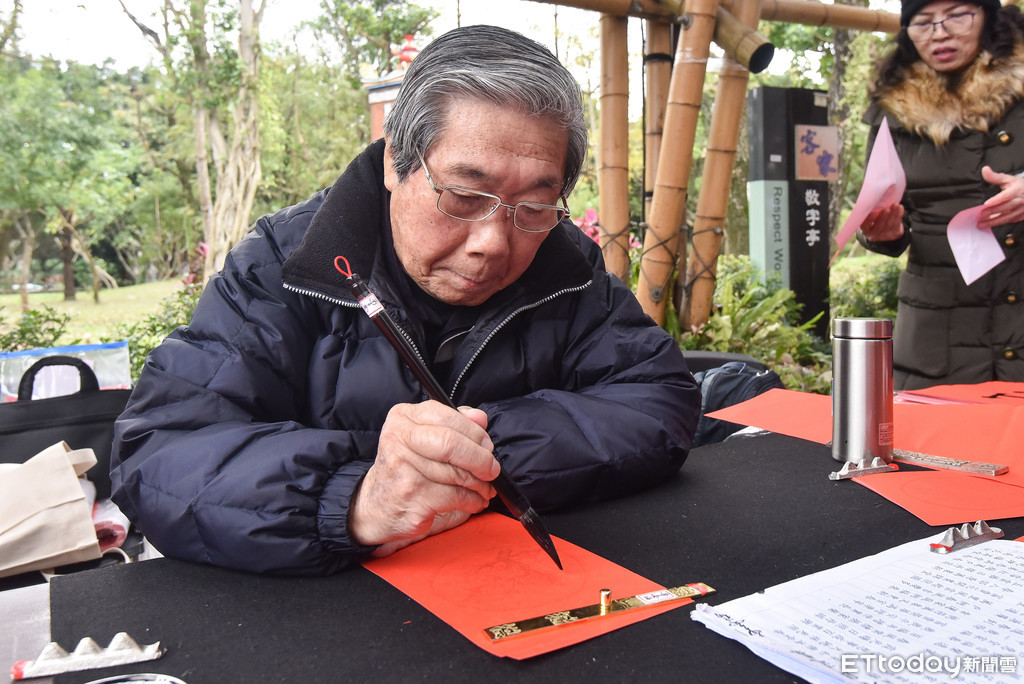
912 7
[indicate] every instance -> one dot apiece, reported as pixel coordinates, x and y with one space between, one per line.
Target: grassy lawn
91 322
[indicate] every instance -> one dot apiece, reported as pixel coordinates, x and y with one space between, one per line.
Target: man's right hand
433 471
883 225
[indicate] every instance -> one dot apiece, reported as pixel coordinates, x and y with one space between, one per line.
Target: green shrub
864 287
175 311
760 320
38 328
143 336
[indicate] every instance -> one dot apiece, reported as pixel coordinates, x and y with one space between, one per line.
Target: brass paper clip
606 606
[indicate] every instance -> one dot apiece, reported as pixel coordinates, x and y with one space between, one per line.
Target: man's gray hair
491 64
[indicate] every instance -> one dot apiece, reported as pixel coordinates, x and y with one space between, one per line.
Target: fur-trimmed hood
925 105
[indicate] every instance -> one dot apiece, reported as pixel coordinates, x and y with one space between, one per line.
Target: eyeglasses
466 204
955 25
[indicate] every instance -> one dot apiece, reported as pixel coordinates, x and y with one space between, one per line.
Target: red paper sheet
994 392
787 412
985 433
945 497
981 432
489 571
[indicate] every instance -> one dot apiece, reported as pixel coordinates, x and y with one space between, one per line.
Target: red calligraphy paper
489 572
994 392
946 497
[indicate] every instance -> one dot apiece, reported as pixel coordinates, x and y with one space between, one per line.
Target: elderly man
280 432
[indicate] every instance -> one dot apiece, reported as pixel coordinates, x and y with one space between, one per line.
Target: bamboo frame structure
813 13
673 119
808 12
668 206
658 72
648 9
613 155
742 42
712 203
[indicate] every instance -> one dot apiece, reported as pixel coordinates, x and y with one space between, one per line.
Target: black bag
725 385
85 420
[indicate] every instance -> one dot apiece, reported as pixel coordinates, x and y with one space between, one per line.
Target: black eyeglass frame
562 211
919 26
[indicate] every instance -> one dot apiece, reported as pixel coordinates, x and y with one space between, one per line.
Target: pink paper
976 249
884 183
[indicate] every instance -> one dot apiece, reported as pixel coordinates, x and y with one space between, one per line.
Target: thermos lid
862 328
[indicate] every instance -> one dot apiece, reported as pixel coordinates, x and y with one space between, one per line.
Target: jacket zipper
545 300
352 305
355 305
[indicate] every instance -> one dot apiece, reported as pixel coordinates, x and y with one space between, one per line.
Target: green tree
368 31
91 167
210 52
161 225
9 29
29 139
315 120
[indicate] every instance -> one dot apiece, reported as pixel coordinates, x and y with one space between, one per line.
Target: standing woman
952 91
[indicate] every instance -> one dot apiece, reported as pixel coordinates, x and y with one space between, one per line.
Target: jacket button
1011 298
1010 241
1009 354
1004 137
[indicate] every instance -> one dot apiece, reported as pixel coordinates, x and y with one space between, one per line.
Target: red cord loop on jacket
347 271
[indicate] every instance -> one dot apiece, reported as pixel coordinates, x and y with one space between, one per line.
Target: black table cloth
741 516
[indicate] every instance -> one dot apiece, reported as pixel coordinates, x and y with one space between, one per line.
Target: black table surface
742 515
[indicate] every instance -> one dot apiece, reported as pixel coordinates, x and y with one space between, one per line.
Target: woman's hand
883 225
1005 207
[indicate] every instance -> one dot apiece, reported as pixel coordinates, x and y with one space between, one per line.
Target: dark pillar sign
793 156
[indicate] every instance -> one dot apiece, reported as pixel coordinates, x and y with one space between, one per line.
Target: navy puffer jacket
251 428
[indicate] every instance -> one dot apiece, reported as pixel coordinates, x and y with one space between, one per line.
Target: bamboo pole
808 12
648 9
814 13
668 207
613 157
743 43
658 72
713 201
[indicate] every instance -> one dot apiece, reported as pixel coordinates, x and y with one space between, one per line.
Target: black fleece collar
349 222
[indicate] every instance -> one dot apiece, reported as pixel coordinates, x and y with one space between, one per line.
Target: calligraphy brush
514 499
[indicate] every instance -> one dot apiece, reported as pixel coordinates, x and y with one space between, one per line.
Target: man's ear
390 177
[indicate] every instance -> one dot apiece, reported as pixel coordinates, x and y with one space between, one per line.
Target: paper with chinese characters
884 183
489 572
976 250
907 602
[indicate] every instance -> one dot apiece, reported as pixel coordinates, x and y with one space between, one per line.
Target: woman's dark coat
949 332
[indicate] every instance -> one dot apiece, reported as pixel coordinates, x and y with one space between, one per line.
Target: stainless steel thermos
862 389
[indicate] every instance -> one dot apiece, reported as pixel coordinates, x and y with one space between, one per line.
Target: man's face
487 148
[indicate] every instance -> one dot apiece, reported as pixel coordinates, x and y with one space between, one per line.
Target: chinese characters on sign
817 159
817 152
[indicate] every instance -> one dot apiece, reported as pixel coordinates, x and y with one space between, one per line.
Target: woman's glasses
955 25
